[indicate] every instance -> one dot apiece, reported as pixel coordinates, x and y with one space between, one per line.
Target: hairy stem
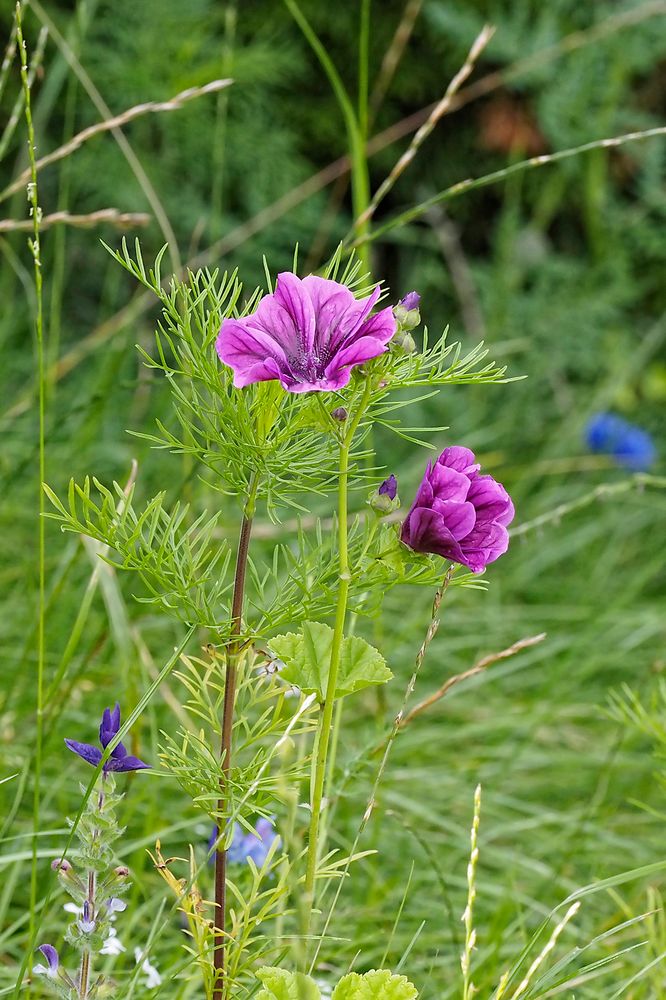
233 651
89 914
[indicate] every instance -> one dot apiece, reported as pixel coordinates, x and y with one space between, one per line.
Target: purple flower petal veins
120 759
458 513
308 335
51 956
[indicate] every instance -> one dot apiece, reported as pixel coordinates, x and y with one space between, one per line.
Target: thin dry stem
109 216
459 271
543 954
394 53
109 124
468 914
440 109
478 668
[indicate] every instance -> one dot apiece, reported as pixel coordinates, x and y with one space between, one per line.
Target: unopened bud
121 871
385 499
404 341
339 413
407 313
61 864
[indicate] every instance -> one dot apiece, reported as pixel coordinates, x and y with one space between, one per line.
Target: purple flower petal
410 301
126 763
447 484
459 518
389 487
458 513
109 725
119 760
51 956
307 335
92 755
459 458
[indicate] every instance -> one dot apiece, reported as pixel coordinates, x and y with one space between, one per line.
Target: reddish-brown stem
233 651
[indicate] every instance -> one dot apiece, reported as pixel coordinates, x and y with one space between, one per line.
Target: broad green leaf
378 984
282 985
307 659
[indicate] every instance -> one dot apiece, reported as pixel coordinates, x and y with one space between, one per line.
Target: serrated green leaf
279 984
378 984
307 659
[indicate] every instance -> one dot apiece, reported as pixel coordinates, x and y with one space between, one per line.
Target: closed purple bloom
120 759
308 334
458 513
411 301
389 487
630 446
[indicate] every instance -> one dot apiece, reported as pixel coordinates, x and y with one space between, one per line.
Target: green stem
323 736
355 137
324 729
41 379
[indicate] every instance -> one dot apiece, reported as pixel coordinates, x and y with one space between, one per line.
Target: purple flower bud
412 300
87 922
407 313
61 865
121 871
339 413
385 499
458 513
51 956
389 487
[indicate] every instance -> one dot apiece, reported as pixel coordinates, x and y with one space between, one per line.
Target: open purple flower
308 334
120 759
51 956
458 513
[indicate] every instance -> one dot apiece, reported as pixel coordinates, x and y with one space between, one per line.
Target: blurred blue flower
254 845
630 446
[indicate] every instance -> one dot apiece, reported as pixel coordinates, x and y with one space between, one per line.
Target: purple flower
51 956
412 300
248 845
120 759
389 487
308 334
458 513
630 446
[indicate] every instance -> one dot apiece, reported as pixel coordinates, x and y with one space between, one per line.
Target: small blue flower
120 759
248 845
630 446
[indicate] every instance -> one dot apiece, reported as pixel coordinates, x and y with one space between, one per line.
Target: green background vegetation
560 270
